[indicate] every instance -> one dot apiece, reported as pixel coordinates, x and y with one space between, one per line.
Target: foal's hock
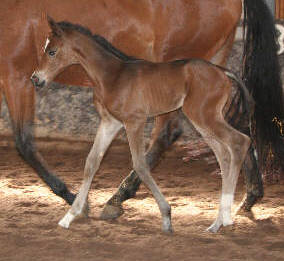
127 92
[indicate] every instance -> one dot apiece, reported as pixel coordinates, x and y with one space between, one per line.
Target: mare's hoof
242 210
249 201
246 205
111 212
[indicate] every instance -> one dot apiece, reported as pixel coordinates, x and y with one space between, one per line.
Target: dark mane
99 39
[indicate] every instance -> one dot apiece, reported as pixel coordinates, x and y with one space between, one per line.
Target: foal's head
58 54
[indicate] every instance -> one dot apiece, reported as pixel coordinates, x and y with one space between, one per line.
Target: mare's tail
261 74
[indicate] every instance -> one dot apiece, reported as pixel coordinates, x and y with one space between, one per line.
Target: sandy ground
29 212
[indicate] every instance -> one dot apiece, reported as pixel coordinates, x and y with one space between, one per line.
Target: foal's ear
56 30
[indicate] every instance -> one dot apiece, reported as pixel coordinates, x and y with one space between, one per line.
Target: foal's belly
164 97
164 88
164 106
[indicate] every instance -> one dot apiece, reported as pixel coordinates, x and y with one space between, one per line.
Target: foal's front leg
135 133
107 131
166 131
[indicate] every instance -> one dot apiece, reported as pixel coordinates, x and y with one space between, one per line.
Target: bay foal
127 93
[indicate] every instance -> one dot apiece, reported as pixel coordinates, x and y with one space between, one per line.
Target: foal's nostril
37 82
34 79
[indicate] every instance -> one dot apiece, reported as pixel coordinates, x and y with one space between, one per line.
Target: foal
126 93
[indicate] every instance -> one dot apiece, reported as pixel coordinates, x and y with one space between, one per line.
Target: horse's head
57 55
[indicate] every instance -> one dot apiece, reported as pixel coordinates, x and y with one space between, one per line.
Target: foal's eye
51 53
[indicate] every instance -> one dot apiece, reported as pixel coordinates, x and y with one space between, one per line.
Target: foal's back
156 88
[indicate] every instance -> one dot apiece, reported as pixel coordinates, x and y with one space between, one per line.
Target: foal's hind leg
229 145
107 131
230 149
223 157
135 133
237 145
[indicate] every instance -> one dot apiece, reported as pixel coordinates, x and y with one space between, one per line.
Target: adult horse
154 30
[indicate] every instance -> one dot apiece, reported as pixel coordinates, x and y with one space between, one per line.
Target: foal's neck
100 65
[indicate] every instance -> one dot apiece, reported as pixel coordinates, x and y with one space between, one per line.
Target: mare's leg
254 184
135 137
20 97
166 131
108 129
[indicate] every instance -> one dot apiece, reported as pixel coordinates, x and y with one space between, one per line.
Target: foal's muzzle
36 81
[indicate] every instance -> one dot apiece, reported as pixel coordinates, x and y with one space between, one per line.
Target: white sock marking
226 204
66 220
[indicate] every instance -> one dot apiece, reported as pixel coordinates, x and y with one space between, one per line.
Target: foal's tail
246 98
243 98
261 74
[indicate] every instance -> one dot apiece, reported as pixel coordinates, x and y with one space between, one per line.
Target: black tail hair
261 74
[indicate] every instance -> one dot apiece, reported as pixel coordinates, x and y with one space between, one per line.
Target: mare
155 30
126 93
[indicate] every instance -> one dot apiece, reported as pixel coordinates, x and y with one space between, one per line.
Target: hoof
66 220
168 231
111 212
249 201
246 205
214 227
167 225
242 211
63 224
245 213
228 223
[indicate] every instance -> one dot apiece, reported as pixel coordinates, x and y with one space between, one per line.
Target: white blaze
46 44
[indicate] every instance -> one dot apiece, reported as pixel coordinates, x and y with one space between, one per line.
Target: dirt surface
29 212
